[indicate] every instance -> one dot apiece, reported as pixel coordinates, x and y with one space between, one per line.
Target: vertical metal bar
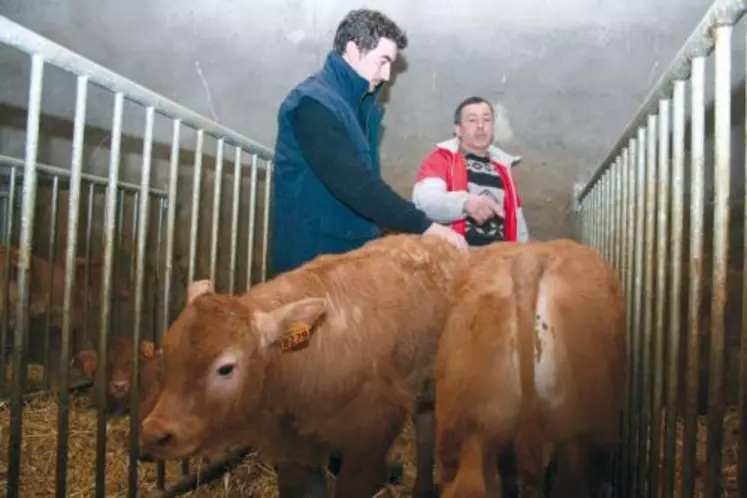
604 212
662 229
24 261
63 413
7 237
119 216
133 234
50 276
111 198
620 214
675 292
87 259
638 379
217 184
196 185
697 205
252 216
235 219
722 159
647 342
169 255
266 220
142 238
742 396
617 216
626 222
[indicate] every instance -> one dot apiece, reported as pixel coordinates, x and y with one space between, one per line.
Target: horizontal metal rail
23 39
54 170
699 44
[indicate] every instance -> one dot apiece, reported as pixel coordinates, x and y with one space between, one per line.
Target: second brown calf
534 352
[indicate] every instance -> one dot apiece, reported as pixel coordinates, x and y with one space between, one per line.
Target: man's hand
450 235
481 208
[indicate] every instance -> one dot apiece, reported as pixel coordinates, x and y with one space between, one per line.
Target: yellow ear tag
298 335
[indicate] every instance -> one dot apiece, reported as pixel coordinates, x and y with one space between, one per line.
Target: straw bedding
252 478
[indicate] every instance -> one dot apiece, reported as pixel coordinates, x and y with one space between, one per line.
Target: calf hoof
317 487
396 472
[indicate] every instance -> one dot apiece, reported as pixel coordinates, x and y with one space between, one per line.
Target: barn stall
665 208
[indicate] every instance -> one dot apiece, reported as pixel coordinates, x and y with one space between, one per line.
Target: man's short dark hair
470 101
366 28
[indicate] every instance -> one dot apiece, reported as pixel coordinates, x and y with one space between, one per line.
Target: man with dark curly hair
329 197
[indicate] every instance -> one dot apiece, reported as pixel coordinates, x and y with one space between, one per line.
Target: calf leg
508 470
464 475
365 466
571 478
299 481
425 426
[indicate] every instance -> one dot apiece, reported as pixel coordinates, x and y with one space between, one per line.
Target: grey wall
565 76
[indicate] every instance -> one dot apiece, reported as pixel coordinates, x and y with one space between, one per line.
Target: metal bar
675 283
23 39
742 393
87 259
28 202
63 413
699 43
50 278
196 185
217 184
619 213
142 238
626 230
252 216
662 227
697 206
266 220
7 239
235 220
722 159
169 253
54 170
111 192
638 316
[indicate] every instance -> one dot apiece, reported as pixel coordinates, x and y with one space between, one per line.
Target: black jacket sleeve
327 148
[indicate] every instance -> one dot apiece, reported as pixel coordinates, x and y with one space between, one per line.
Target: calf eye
226 370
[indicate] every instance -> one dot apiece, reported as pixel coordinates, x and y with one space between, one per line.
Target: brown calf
40 292
329 357
533 352
119 374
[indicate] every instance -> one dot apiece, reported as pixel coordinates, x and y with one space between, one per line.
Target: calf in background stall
43 293
329 357
119 374
534 352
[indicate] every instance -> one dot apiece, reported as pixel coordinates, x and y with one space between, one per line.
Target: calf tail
527 272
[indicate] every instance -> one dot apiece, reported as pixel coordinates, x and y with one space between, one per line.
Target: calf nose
119 386
155 433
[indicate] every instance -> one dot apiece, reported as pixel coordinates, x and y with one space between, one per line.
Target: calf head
216 357
119 367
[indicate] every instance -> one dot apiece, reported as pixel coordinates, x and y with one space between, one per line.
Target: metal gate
138 242
665 210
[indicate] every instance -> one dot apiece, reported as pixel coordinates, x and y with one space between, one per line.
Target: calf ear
148 349
198 288
292 321
88 360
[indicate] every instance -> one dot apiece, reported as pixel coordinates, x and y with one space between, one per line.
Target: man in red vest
467 182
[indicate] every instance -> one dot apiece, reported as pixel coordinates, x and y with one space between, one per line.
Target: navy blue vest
307 220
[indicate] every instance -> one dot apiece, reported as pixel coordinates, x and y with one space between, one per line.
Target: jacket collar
496 154
352 86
